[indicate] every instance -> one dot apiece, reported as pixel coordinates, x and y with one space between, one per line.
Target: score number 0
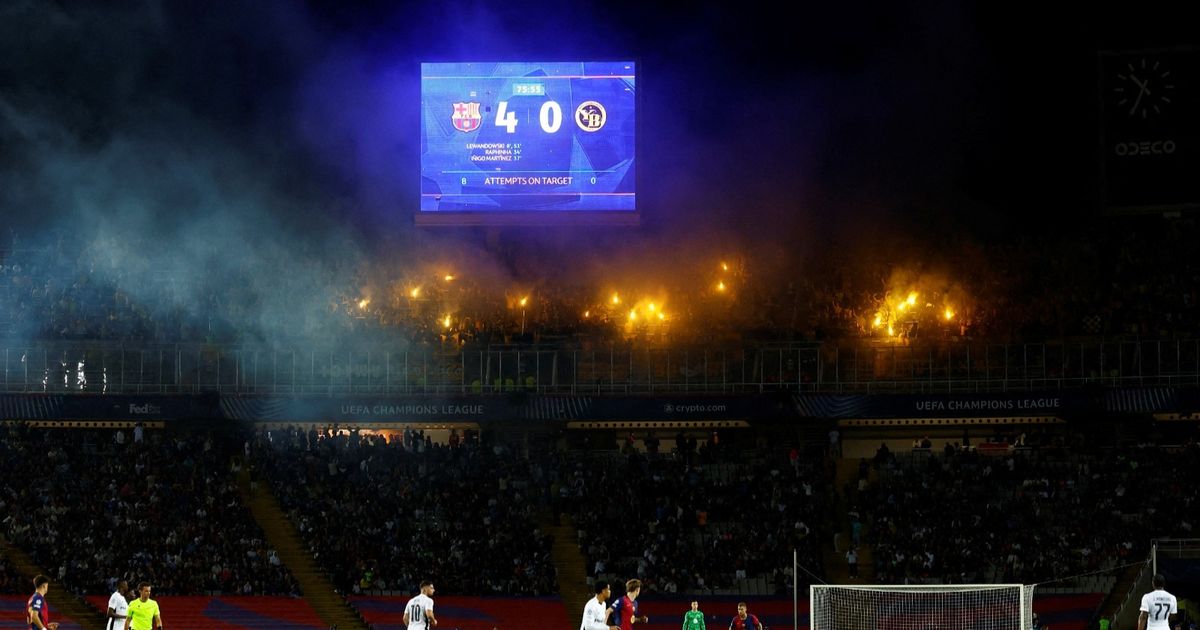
550 117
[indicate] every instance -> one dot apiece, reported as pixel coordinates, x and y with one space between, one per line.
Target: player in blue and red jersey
36 610
744 620
626 607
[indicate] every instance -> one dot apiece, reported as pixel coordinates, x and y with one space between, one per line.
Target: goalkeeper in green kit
693 619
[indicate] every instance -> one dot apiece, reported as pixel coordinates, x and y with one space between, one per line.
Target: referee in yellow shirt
143 611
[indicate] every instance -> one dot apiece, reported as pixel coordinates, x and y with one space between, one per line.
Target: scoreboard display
540 139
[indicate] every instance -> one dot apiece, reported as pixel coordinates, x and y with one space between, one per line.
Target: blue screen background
527 169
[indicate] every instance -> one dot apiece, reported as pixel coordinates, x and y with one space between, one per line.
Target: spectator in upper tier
164 510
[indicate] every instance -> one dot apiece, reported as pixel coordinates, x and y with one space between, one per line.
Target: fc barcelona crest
466 116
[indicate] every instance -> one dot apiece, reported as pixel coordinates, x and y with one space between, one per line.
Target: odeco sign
1146 147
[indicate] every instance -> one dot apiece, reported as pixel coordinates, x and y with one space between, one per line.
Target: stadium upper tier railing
960 367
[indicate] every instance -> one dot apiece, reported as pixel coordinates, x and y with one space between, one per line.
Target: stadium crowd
682 520
698 521
462 511
700 517
94 506
1032 288
1031 516
10 580
163 506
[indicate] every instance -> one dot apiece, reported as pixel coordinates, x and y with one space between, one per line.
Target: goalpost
924 607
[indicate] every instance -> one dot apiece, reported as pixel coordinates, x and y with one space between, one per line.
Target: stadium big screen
527 143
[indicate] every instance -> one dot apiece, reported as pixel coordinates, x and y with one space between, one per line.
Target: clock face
1143 88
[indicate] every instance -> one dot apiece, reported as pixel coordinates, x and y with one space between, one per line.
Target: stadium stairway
333 609
836 568
61 600
1126 581
571 565
838 571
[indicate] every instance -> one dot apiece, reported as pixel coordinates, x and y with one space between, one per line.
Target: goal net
925 607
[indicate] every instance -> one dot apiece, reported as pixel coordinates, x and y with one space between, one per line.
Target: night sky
834 123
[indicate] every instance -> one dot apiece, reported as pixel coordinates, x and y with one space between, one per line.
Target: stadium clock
1143 88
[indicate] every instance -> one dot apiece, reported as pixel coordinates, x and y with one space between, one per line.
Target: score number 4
550 117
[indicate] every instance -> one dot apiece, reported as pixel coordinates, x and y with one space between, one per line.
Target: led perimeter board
522 143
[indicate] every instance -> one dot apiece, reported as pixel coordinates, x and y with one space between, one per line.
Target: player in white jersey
118 608
418 612
1158 607
595 614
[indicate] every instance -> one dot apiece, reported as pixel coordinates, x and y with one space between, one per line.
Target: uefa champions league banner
625 408
997 404
476 408
1002 404
349 409
697 407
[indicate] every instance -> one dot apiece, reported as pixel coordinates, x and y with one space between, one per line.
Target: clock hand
1133 109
